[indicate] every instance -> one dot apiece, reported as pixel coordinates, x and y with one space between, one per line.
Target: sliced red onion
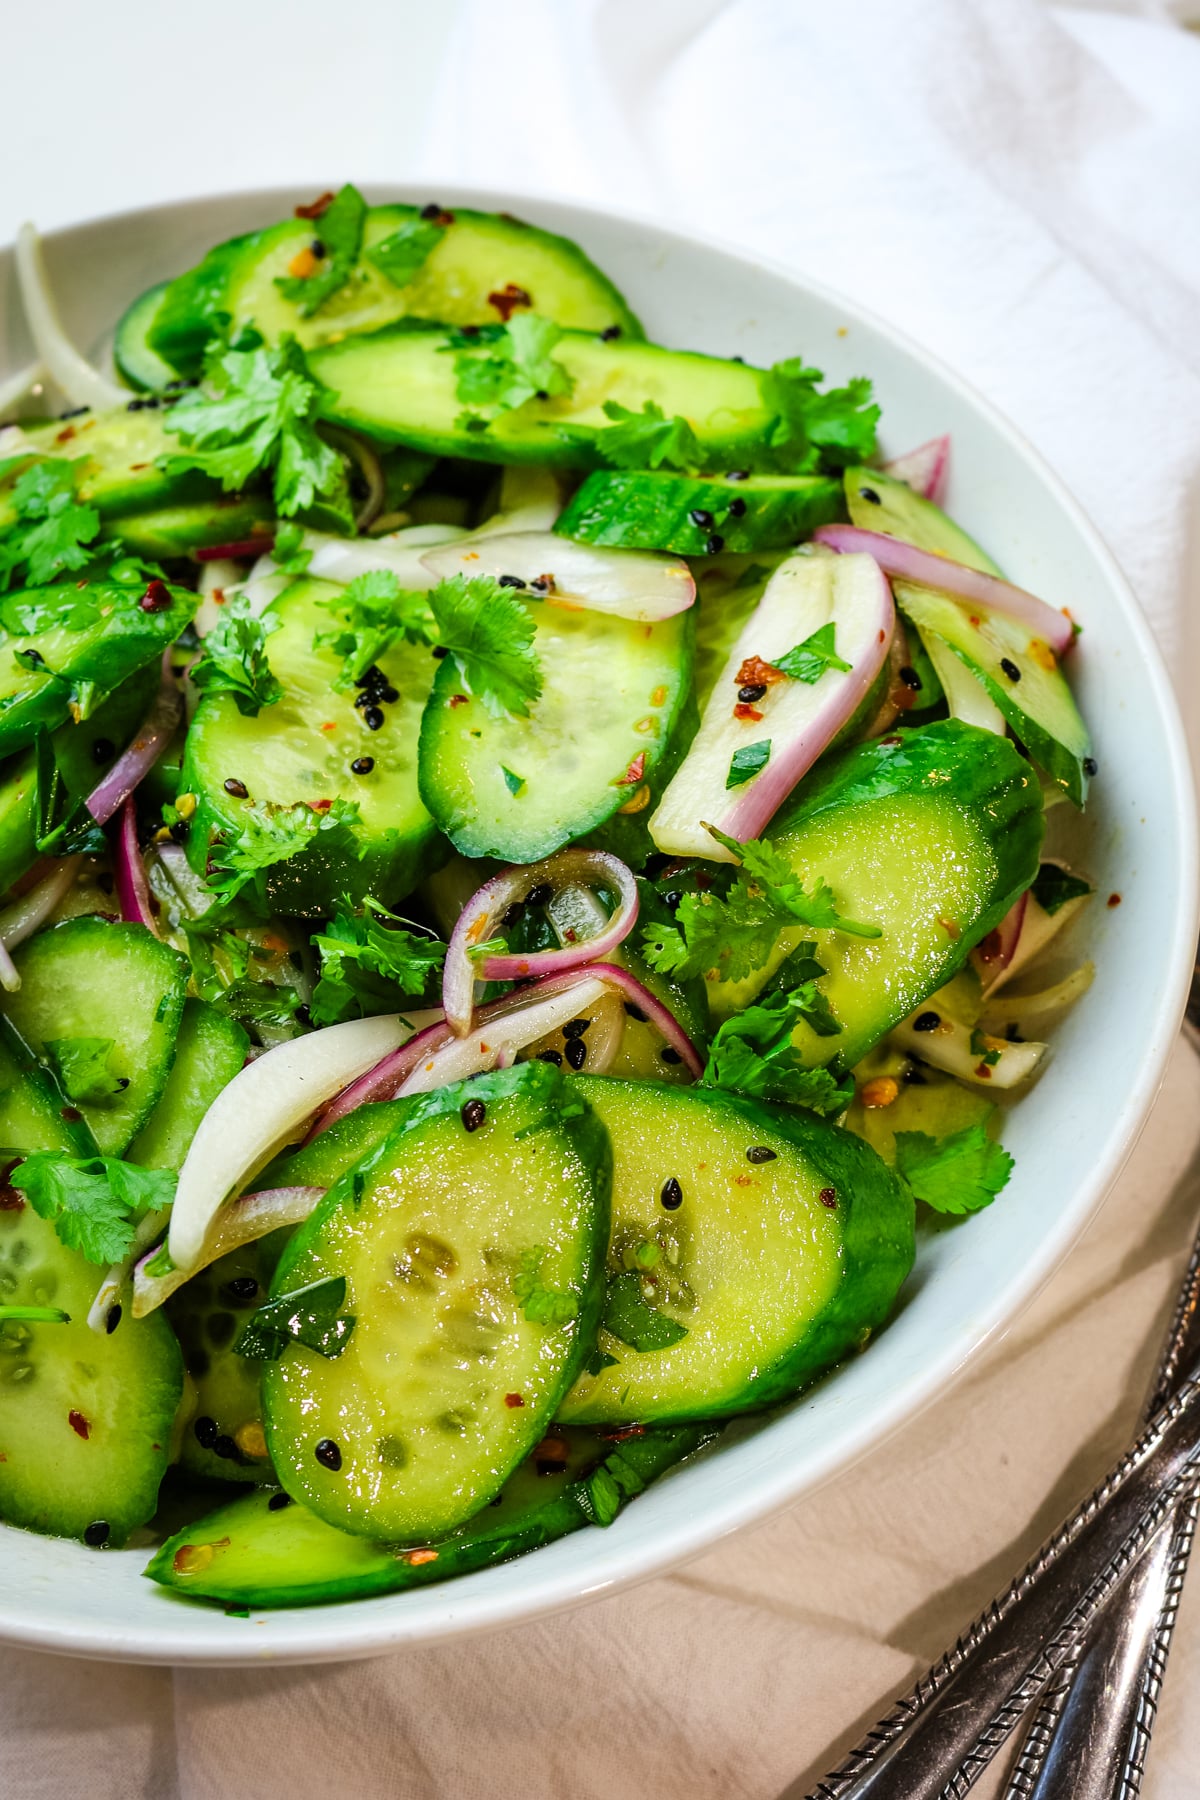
633 584
793 721
156 732
1038 928
24 916
501 1032
638 994
129 872
244 1221
369 466
240 551
482 915
921 566
384 1081
924 469
996 951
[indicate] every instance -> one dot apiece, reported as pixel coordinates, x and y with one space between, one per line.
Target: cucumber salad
528 885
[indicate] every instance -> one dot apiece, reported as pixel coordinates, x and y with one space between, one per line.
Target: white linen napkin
1018 188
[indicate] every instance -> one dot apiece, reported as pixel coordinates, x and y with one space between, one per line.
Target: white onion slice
24 916
924 469
146 1232
633 584
82 384
948 1047
966 696
1038 929
531 499
17 386
222 577
1016 1009
400 552
266 1106
243 1221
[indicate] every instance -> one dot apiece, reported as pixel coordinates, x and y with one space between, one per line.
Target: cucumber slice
930 835
92 979
224 1439
446 1382
82 752
99 638
209 1050
938 1105
302 749
119 453
780 1246
399 385
612 699
328 1157
139 365
259 1552
170 531
1017 670
193 309
699 515
727 591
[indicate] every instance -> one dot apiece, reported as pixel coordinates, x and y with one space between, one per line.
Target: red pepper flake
552 1450
754 672
139 466
458 700
890 742
507 299
950 927
619 1432
990 948
742 1180
883 637
79 1425
828 1196
315 208
1113 900
744 711
329 725
71 1114
320 805
983 1072
157 597
217 596
415 1558
514 1400
65 435
633 773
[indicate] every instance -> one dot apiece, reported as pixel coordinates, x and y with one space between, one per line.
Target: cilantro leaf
82 1066
641 440
540 1304
809 660
53 531
489 633
266 835
256 413
309 1315
373 610
608 1488
64 824
405 251
341 231
630 1317
775 875
753 1053
957 1174
747 762
1054 886
365 956
235 658
288 552
983 1047
814 430
515 365
92 1202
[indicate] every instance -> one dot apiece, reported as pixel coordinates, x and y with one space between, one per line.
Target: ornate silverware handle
939 1737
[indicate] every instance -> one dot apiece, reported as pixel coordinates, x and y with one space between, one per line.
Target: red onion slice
924 469
129 871
24 916
503 1033
482 915
638 994
993 953
243 1221
241 551
923 567
633 584
384 1081
151 740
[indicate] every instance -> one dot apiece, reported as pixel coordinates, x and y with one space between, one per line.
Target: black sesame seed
388 694
97 1533
635 1012
372 718
277 1502
473 1114
672 1193
550 1056
610 333
669 1055
700 516
910 678
737 507
575 1028
1010 668
317 248
740 359
541 394
206 1431
1090 765
576 1053
538 895
242 1287
541 584
328 1454
737 474
759 1153
1013 1034
102 750
362 765
237 788
927 1021
751 692
440 650
363 700
74 412
513 581
713 543
374 674
181 831
672 898
512 914
304 1014
432 211
870 494
225 1447
112 1318
122 1083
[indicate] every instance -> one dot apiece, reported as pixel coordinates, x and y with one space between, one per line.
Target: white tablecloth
1020 188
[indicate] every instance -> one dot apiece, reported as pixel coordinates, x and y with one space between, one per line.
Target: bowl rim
345 1630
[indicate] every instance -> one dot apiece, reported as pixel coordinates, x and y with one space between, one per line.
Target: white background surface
1018 191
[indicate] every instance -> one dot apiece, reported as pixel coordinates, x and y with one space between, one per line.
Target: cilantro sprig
810 659
310 1315
265 836
235 658
366 955
370 613
753 1053
961 1173
82 1065
92 1202
404 252
53 532
497 373
341 229
812 430
641 440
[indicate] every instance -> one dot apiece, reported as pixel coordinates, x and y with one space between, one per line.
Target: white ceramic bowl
1070 1137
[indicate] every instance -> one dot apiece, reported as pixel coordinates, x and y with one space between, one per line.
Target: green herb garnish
630 1317
957 1174
235 658
366 955
1053 887
53 531
92 1202
747 762
309 1315
405 251
809 660
341 229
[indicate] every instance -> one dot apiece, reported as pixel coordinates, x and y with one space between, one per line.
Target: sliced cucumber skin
137 364
116 720
170 531
346 1142
107 653
289 1557
652 510
603 679
124 1386
867 820
118 453
878 502
210 1048
306 1403
191 312
865 1242
284 757
399 386
90 978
